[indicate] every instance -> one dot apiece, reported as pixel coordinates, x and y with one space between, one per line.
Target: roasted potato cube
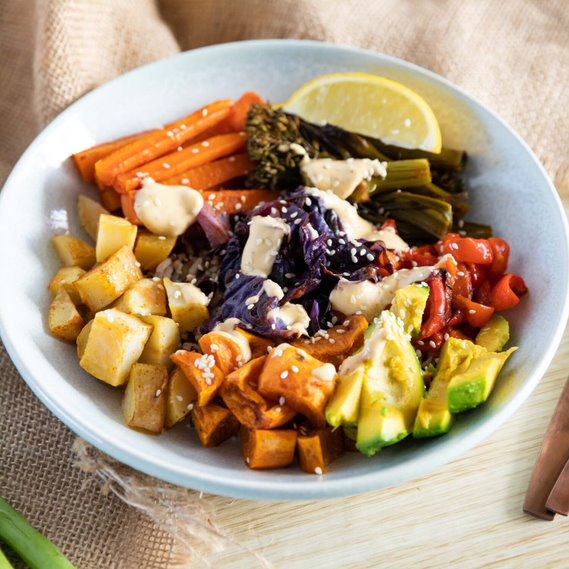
144 400
89 211
151 250
73 252
65 278
239 393
64 320
109 280
303 382
226 351
188 305
264 449
257 344
163 342
214 424
82 339
202 373
341 341
318 449
143 298
181 398
113 233
114 343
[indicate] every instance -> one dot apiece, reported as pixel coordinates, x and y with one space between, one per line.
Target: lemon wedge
369 105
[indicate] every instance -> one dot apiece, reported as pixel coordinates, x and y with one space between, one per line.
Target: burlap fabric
510 55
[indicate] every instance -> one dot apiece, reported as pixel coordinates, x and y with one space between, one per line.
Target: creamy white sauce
184 293
266 235
371 298
167 210
273 289
228 328
294 316
342 176
326 372
355 226
281 348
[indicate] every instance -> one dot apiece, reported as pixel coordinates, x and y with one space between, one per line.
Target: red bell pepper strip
467 249
501 251
507 291
438 306
476 314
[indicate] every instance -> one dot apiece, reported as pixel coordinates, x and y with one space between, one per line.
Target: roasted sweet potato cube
163 342
64 278
73 252
202 373
144 297
214 424
340 342
151 250
89 212
144 400
109 280
318 449
239 393
257 344
181 398
226 351
64 320
304 383
263 449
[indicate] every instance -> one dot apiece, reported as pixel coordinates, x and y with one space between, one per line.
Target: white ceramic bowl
510 190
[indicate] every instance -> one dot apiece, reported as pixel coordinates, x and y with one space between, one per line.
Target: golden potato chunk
82 339
303 382
89 211
74 252
264 449
151 250
144 400
143 298
188 305
318 449
113 233
239 392
114 344
64 278
109 280
163 342
181 398
214 424
64 321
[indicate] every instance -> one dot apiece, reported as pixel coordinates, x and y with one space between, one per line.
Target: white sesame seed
195 150
158 392
318 471
471 311
205 143
282 401
432 344
185 181
284 374
167 166
179 398
370 257
238 206
204 113
295 369
190 406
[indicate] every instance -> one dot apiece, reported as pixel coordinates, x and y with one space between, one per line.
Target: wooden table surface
466 515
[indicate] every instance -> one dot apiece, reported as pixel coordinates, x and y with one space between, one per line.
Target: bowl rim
257 487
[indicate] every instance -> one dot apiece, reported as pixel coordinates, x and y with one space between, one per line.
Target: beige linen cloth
511 55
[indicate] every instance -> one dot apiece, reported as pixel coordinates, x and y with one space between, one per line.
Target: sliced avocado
472 387
495 334
434 417
343 408
392 386
351 433
409 305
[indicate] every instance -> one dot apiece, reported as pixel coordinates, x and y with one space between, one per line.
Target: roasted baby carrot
215 173
181 161
160 142
237 201
86 159
110 199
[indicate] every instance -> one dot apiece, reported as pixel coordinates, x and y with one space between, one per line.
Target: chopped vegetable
263 449
214 424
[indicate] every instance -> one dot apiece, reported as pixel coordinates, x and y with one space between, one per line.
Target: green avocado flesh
392 387
495 334
343 409
409 305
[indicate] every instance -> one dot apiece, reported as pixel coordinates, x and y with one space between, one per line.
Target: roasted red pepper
476 314
467 249
507 291
501 251
438 306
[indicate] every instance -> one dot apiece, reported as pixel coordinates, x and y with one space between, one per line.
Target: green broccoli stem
4 563
402 174
35 549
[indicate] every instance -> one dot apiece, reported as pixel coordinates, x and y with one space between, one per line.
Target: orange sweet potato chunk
226 352
318 449
214 424
258 345
201 372
305 383
239 393
342 340
264 449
